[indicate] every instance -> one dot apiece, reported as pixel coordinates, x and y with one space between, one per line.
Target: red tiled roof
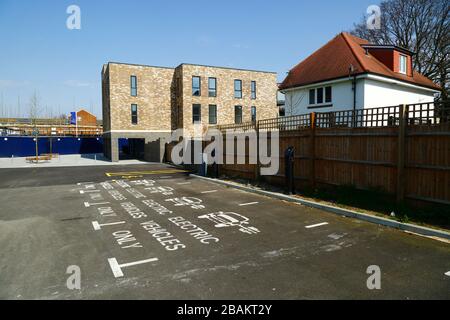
333 60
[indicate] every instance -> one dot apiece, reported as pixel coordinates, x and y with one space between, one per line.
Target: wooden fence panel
361 157
246 170
300 140
402 150
428 163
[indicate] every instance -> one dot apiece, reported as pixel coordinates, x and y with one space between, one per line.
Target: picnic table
51 155
39 158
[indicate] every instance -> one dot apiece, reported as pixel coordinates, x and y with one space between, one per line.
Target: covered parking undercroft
147 146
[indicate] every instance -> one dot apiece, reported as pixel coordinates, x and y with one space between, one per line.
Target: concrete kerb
336 210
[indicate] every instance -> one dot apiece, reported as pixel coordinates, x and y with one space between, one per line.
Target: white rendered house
349 73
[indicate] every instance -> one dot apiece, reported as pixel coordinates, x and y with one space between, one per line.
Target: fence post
401 153
257 167
312 151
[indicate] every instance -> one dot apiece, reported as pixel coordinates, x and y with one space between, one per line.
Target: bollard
95 157
215 166
216 170
289 170
203 167
12 158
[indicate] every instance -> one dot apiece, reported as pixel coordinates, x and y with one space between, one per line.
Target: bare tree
33 114
422 26
292 103
2 106
33 111
19 114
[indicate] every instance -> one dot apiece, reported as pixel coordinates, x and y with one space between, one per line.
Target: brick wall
86 119
154 90
265 102
106 109
164 96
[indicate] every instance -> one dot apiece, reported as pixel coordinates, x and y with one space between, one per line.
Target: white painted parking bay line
97 226
117 268
447 274
88 191
210 191
248 204
316 225
87 204
183 183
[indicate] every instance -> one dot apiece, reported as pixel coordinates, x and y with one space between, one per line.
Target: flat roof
139 65
228 68
189 64
388 46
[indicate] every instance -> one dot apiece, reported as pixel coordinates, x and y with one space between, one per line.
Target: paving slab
70 160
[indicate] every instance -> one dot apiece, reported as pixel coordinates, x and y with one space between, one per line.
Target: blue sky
38 53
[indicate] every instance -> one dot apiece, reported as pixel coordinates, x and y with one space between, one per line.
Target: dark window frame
133 93
214 106
253 90
312 96
237 108
194 89
212 92
194 106
319 95
253 113
328 94
238 91
134 114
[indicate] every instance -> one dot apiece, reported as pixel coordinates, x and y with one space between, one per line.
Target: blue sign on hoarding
73 118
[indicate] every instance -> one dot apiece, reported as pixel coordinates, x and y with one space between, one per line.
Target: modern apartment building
144 104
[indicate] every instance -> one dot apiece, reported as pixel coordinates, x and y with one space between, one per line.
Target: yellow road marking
141 173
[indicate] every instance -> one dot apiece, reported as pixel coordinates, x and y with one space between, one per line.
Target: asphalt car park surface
152 232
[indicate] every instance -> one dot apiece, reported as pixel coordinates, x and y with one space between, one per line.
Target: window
212 87
253 90
319 95
196 84
238 89
238 114
134 114
403 61
253 114
328 95
196 113
212 114
133 83
323 96
312 96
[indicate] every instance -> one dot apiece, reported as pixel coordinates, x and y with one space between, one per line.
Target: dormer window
403 64
396 58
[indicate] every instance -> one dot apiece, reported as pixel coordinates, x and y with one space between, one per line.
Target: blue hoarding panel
26 146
